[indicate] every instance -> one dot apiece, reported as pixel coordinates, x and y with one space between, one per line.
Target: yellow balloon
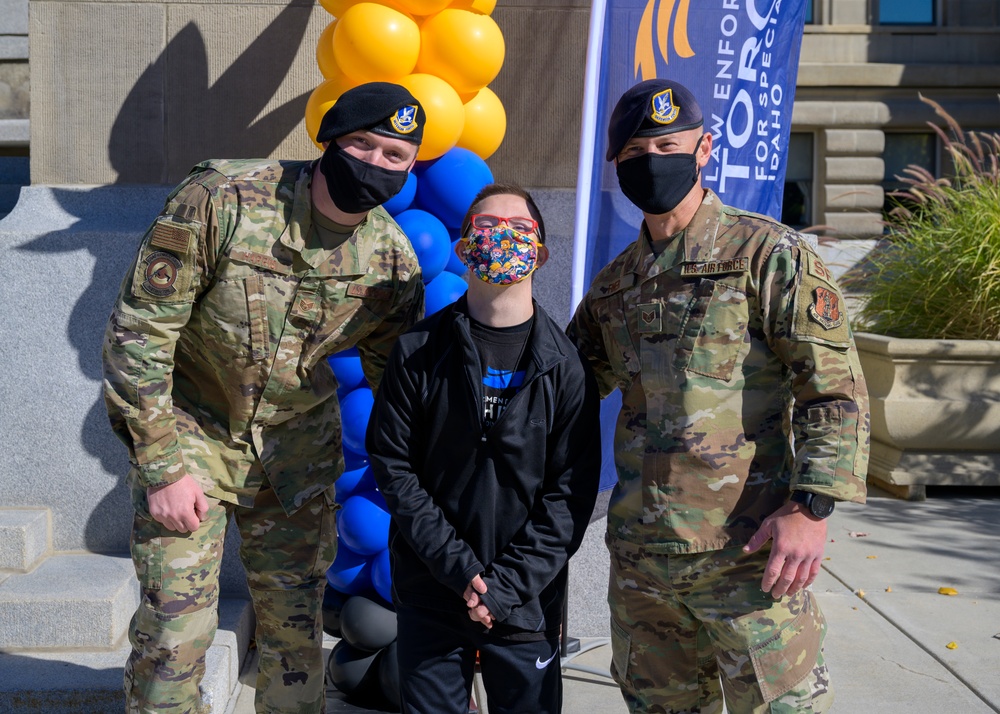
485 124
445 114
336 7
484 6
320 101
462 47
375 43
324 53
419 7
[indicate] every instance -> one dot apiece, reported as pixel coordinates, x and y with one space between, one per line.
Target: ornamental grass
938 274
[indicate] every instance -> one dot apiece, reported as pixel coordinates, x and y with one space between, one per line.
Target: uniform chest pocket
713 330
331 315
621 349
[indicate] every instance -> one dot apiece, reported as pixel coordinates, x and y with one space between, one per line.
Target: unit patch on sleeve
161 271
820 313
826 308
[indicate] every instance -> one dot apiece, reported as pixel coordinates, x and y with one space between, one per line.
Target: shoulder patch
820 312
172 237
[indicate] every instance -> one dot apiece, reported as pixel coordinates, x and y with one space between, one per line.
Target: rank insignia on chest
826 309
650 317
161 273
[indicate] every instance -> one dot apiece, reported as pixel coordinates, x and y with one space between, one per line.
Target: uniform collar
695 244
355 253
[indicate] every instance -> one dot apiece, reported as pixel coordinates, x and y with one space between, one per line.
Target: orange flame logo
645 59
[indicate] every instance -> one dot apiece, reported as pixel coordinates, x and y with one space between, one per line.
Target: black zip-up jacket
511 503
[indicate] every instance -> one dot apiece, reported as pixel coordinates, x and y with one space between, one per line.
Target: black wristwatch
818 505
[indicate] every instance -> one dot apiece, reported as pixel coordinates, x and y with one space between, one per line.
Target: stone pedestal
935 407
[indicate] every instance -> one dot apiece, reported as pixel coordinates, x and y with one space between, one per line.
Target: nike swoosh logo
542 665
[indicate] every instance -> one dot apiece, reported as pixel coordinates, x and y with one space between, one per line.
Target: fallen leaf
857 534
888 590
854 608
826 558
947 591
952 645
872 557
859 593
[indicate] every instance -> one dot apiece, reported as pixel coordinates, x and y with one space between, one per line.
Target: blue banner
739 58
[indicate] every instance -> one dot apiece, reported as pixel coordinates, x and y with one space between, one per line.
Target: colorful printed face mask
500 255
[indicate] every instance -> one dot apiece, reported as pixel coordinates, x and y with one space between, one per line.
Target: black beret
652 108
379 107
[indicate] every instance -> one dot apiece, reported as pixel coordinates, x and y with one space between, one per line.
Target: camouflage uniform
215 366
728 347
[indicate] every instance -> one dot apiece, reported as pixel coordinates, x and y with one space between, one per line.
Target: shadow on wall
198 121
108 222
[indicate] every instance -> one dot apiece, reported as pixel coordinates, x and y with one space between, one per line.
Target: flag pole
588 141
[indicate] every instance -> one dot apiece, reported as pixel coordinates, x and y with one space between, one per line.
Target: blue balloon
363 523
350 573
402 200
443 291
347 369
354 460
382 575
455 264
355 410
429 238
353 482
448 186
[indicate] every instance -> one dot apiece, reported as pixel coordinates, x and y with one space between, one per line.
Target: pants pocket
784 652
621 650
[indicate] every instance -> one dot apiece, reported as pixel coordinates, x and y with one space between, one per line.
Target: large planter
935 407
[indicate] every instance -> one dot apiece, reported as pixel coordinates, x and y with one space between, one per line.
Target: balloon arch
445 52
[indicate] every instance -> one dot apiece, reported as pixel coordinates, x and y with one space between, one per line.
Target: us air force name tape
652 108
379 107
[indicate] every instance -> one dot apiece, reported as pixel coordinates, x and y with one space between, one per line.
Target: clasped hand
478 612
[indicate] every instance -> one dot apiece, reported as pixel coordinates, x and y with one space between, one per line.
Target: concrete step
24 537
69 601
90 682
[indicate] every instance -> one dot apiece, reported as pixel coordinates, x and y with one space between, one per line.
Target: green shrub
938 274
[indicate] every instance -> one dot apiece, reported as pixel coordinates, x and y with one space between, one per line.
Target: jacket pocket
713 330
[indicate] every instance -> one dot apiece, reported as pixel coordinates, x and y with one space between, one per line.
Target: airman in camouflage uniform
742 396
217 381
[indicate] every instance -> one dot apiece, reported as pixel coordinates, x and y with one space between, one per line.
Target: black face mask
656 183
355 186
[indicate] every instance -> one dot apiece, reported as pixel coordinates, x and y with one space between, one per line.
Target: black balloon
388 675
346 669
366 624
333 603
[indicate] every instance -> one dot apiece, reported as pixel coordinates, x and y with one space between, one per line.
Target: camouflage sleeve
584 330
406 311
807 327
174 260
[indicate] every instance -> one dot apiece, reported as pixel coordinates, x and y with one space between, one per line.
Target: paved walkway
890 629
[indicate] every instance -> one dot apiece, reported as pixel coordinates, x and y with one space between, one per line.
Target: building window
809 12
906 12
902 150
797 201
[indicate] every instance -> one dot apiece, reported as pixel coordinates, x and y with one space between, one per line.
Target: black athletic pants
437 659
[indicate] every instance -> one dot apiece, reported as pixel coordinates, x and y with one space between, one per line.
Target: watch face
821 506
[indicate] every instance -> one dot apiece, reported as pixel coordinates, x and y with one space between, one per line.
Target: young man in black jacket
485 442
